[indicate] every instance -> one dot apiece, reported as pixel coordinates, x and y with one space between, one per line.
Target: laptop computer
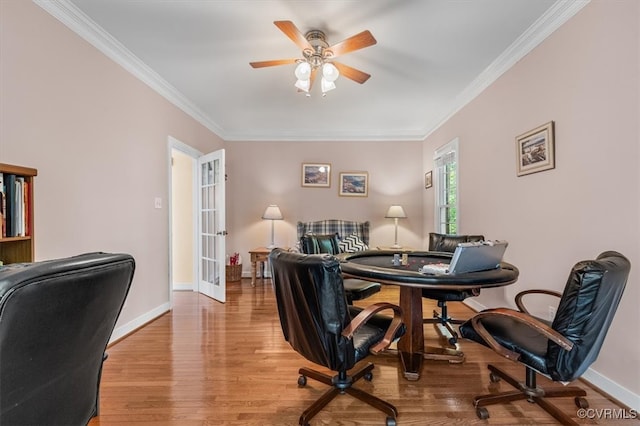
471 257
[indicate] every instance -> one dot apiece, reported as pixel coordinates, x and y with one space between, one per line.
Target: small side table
258 255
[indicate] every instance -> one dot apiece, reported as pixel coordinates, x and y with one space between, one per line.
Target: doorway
183 266
183 226
197 234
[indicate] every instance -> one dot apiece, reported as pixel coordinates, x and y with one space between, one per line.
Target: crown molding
543 27
326 136
77 21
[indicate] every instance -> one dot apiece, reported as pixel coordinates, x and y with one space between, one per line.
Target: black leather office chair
561 351
320 326
448 243
355 289
57 318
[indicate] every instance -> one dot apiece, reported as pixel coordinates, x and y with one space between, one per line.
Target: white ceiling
432 57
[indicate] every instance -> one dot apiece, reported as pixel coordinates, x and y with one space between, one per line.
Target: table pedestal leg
411 345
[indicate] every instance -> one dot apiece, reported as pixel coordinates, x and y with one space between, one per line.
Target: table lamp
396 212
272 213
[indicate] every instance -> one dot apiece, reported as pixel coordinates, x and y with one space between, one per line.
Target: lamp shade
396 211
330 72
326 85
303 85
272 212
303 71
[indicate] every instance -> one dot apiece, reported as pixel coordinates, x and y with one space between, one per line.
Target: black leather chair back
449 242
312 307
56 320
317 244
585 312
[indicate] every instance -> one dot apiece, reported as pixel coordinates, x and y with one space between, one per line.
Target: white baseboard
603 383
613 389
123 330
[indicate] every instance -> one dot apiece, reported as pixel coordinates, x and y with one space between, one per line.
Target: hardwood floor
207 363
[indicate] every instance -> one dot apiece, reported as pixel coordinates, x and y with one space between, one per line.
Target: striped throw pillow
352 244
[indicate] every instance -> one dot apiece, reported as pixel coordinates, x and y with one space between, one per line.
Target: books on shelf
14 206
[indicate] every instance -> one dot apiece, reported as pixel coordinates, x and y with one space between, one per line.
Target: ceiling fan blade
352 73
291 31
262 64
358 41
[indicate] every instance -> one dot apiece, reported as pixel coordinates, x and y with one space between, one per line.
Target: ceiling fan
319 55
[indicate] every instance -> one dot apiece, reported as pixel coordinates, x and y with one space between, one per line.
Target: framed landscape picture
316 175
428 180
535 150
354 184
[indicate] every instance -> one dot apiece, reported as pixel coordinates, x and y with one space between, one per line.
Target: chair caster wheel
368 377
302 381
453 341
391 421
581 402
494 378
482 413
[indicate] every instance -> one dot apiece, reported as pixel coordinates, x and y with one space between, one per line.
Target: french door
211 226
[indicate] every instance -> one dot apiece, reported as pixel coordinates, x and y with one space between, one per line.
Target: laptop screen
477 256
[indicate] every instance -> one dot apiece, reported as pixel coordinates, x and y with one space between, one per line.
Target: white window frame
444 158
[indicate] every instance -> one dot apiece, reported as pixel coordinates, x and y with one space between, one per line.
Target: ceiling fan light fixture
303 85
303 71
330 72
318 56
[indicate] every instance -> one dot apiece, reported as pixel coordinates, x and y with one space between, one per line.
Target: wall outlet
552 313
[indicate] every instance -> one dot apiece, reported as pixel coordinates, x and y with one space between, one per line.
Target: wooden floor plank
208 363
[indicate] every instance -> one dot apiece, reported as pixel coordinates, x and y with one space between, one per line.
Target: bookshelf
20 247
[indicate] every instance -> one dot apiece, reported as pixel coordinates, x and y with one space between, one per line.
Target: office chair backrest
312 307
56 318
449 242
585 311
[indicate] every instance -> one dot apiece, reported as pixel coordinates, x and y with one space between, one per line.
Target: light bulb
303 71
303 85
326 85
330 72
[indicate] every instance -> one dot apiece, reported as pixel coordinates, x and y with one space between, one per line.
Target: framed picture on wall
535 150
316 175
428 180
354 184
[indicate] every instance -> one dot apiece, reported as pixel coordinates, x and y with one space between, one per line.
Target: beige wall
585 78
98 137
270 173
182 225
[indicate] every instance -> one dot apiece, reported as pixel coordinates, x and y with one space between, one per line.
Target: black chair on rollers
443 322
57 318
319 324
561 350
354 288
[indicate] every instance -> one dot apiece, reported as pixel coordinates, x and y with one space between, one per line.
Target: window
446 187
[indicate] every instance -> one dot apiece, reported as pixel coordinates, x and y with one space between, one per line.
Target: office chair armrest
367 313
540 327
519 296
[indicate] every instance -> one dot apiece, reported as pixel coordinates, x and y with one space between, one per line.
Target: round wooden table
377 265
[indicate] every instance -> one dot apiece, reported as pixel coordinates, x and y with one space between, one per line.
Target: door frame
173 143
